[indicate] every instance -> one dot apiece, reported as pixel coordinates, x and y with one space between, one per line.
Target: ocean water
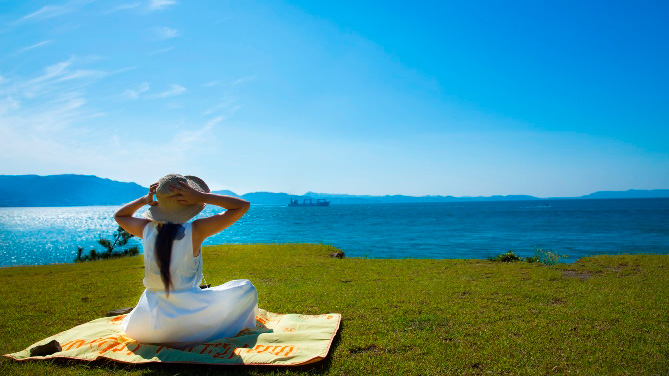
577 228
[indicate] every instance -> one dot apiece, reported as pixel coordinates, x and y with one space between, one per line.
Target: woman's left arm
124 216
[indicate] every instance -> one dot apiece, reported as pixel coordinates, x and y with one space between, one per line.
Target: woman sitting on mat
173 310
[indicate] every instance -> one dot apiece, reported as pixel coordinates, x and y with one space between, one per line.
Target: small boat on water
309 202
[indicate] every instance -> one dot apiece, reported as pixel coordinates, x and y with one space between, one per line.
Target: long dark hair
166 234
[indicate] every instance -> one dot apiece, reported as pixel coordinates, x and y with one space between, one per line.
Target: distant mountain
388 199
226 193
65 190
632 193
83 190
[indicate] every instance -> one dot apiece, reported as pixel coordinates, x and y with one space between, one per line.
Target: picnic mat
277 339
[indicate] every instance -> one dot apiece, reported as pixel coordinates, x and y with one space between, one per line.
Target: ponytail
166 234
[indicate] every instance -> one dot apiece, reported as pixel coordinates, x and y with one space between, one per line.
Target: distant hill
65 190
83 190
394 199
632 193
226 193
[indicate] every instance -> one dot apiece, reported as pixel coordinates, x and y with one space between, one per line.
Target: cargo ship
309 202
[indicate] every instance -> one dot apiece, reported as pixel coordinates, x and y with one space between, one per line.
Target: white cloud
56 81
8 104
160 4
56 115
51 11
188 140
227 105
132 94
160 51
126 6
243 80
164 32
36 45
82 73
214 121
174 90
50 121
52 71
223 20
150 6
46 12
53 79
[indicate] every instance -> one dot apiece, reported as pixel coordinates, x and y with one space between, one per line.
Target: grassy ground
605 315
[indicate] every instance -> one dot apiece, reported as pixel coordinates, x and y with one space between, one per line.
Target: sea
455 230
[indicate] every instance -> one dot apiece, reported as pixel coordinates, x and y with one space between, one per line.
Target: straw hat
168 209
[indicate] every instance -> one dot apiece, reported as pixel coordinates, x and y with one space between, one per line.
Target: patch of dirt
557 301
374 349
626 270
366 349
417 326
576 274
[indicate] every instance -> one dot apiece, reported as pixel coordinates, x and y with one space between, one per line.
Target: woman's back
185 270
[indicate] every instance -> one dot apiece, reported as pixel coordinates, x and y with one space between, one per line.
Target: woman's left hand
187 195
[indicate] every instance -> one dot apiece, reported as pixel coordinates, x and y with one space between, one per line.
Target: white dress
190 315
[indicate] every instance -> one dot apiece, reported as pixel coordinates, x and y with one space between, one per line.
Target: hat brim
185 213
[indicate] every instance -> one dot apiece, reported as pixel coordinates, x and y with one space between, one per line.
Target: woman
173 310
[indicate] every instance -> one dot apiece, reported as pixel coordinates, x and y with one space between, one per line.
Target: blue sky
460 98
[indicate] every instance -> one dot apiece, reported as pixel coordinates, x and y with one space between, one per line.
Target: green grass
604 315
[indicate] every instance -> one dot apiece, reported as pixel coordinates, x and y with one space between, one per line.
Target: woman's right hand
149 197
186 194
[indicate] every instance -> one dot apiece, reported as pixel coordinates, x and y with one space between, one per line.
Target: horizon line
369 195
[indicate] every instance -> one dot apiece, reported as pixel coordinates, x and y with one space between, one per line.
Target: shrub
547 256
532 260
543 256
506 257
120 238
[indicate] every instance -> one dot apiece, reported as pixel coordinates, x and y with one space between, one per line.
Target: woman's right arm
235 209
